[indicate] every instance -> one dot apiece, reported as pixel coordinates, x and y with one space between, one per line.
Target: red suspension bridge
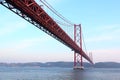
33 13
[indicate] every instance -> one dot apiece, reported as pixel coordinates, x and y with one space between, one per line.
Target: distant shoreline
61 64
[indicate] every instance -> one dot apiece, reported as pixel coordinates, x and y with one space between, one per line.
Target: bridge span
33 13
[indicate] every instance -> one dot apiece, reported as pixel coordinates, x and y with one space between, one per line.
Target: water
38 73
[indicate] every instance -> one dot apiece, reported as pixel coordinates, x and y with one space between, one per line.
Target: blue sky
22 42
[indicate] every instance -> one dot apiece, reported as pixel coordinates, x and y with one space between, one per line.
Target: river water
38 73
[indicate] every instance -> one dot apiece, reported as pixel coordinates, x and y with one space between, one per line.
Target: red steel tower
78 61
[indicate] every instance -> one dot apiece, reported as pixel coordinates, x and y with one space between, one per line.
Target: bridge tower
78 61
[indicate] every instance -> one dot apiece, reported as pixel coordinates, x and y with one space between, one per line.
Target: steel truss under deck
34 14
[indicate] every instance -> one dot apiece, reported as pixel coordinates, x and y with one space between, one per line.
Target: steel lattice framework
33 13
78 62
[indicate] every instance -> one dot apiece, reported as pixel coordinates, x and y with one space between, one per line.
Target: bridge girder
33 13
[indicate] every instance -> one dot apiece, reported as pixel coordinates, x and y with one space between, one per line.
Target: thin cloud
15 51
108 27
12 27
105 33
100 38
106 54
25 43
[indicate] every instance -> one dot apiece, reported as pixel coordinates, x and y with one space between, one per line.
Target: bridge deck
32 10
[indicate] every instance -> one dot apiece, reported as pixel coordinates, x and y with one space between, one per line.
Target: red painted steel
81 44
78 62
32 10
75 61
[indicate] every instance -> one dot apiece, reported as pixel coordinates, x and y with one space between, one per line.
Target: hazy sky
20 41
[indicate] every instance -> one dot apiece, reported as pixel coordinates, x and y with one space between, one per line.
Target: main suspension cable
56 12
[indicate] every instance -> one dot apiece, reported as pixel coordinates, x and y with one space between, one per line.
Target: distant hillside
39 64
61 64
107 65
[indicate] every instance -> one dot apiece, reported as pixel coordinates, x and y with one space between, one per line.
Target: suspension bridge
32 12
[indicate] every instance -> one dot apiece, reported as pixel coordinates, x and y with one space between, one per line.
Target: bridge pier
80 68
78 62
